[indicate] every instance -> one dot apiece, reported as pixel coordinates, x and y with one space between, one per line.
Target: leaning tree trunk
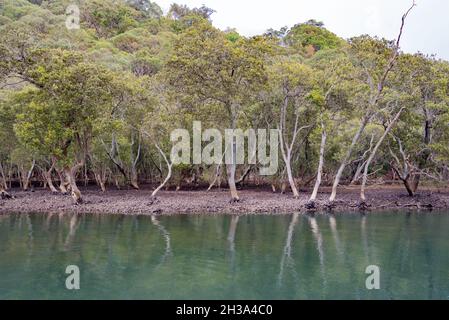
47 175
27 177
320 167
70 174
218 174
287 156
372 106
62 182
410 190
291 180
4 194
286 148
134 179
407 180
169 173
131 178
358 172
373 154
362 162
216 177
244 175
100 178
344 163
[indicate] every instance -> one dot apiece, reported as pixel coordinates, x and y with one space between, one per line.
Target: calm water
224 257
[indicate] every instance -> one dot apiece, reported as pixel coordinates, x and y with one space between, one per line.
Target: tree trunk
231 182
3 194
50 184
169 174
358 172
362 162
134 179
373 154
291 180
283 187
27 177
3 183
101 181
287 148
155 192
372 105
344 163
10 175
70 174
62 182
408 187
320 165
218 174
117 183
216 177
231 168
245 175
47 175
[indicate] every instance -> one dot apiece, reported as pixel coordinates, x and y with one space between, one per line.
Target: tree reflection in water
287 259
166 235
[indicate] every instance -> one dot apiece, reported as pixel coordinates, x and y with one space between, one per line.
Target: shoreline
253 202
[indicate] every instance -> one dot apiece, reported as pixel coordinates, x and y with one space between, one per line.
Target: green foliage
209 67
179 12
311 37
148 8
108 17
16 9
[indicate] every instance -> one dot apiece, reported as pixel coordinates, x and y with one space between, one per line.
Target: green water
224 257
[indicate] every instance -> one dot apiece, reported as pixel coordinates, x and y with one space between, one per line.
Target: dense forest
96 104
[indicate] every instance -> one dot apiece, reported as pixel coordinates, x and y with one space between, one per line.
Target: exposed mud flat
217 202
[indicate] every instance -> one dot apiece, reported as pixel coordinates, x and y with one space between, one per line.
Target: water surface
225 257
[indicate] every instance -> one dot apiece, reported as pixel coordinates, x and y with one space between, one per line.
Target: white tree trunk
70 174
291 180
27 178
49 180
348 154
320 165
373 154
169 173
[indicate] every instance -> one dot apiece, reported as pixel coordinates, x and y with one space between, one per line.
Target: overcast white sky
427 29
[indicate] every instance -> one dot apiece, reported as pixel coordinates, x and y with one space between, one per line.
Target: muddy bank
217 202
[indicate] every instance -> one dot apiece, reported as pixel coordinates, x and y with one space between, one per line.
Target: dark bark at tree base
330 206
311 206
410 190
5 195
363 206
